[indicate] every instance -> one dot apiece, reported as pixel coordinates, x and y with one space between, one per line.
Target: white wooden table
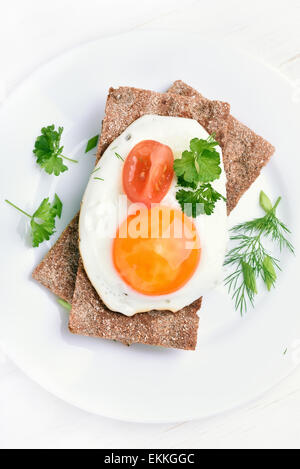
31 33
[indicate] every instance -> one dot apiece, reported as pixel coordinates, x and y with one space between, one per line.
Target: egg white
100 218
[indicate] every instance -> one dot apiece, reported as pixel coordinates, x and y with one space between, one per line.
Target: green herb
64 304
181 182
48 151
250 258
42 222
200 201
285 352
92 143
201 164
119 156
96 170
269 272
195 170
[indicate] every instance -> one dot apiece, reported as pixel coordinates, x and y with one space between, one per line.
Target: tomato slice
148 172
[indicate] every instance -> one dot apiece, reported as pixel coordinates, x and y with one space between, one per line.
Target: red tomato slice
148 172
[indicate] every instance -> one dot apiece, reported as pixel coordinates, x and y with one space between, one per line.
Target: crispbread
152 328
89 315
58 269
125 105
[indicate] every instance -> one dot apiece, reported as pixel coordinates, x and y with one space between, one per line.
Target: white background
31 33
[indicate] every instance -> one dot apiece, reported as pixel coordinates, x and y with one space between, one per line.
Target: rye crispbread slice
245 153
179 333
89 315
58 269
124 106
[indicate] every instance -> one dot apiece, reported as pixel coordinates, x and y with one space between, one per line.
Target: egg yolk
156 251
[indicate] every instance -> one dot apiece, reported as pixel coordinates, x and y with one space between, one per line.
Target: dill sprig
251 259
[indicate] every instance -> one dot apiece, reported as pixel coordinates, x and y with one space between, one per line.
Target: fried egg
133 273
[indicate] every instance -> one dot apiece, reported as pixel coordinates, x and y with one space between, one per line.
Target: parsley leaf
92 143
199 202
57 205
201 164
48 151
42 222
185 167
53 165
183 183
190 203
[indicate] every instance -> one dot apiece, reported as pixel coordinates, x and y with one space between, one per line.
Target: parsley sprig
250 259
196 170
42 222
200 164
48 151
200 201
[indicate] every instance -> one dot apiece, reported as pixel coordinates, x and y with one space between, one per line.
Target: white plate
237 359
